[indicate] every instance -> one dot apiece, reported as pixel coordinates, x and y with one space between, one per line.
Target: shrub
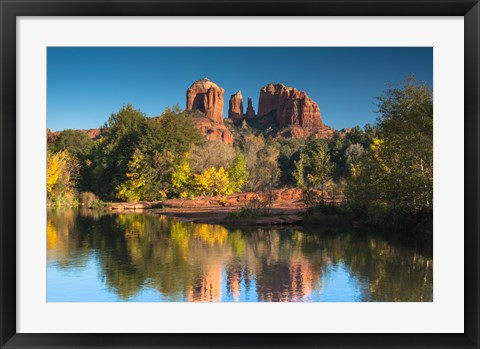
89 199
251 209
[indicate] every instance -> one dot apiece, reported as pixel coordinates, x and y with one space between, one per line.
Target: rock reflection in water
146 257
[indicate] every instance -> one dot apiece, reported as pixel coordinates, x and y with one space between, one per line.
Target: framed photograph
237 174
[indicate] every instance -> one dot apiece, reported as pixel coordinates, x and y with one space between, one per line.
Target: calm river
96 257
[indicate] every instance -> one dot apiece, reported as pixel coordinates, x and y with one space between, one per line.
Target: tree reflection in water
191 262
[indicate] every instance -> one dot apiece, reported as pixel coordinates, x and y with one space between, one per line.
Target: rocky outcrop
92 133
291 107
301 132
288 197
292 196
250 111
206 97
51 136
213 131
235 106
285 109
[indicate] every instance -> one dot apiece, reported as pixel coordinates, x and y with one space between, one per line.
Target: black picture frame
10 10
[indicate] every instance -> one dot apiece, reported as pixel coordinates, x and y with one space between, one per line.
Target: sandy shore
287 208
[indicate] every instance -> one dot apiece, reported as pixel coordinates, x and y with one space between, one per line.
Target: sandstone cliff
206 97
250 111
291 107
235 106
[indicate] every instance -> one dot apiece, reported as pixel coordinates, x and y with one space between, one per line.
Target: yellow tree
213 182
53 171
134 188
182 177
62 173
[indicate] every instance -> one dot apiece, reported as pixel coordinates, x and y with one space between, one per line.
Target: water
98 257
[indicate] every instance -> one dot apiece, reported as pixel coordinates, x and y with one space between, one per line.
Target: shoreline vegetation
250 210
380 175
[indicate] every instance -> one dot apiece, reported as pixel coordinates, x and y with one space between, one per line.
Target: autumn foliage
383 172
62 175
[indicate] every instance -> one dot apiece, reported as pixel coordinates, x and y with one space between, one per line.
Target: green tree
289 150
164 143
121 136
395 179
159 175
76 142
173 131
320 167
238 174
406 126
79 145
299 173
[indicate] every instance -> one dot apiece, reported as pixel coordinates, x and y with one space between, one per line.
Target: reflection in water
95 256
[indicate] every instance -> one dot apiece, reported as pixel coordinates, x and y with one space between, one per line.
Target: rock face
207 97
250 111
235 106
290 111
213 131
92 133
291 106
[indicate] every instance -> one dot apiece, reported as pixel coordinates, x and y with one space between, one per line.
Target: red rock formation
207 97
213 131
301 132
250 111
235 107
51 136
92 133
292 107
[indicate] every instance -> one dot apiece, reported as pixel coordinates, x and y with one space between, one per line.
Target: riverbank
287 197
241 209
236 209
229 215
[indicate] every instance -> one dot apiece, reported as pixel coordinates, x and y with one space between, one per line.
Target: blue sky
86 84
